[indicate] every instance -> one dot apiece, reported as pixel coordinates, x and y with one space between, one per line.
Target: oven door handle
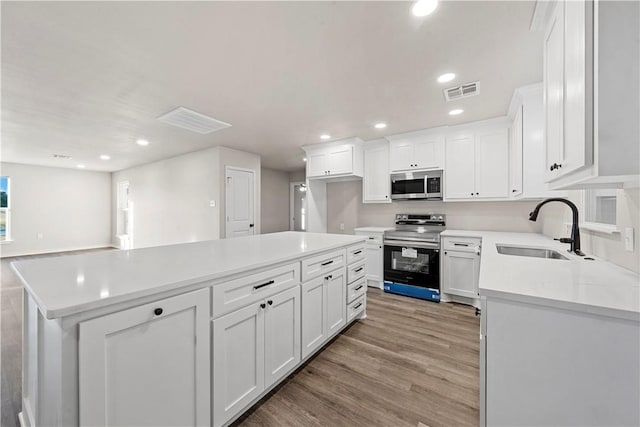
411 244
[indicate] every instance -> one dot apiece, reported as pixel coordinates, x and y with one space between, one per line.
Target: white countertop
72 284
373 229
597 286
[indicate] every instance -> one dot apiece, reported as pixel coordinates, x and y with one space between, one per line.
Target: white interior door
298 206
239 204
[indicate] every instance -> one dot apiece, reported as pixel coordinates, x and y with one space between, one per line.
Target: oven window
419 264
407 186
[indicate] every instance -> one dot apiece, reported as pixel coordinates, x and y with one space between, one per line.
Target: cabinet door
461 270
373 253
336 285
460 170
376 183
131 363
317 163
314 324
401 155
428 152
340 160
515 154
238 361
492 164
282 334
554 90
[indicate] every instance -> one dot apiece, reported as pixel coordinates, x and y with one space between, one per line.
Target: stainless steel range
412 256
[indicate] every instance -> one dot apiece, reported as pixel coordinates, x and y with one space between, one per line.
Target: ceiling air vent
61 156
192 120
463 91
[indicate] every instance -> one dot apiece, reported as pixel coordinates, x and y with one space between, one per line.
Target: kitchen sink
530 252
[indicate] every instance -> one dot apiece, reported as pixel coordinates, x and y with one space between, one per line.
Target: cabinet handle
270 282
324 264
477 194
270 302
460 244
329 277
380 247
357 252
359 270
555 166
157 311
513 191
371 238
386 197
472 194
357 306
263 305
445 252
358 288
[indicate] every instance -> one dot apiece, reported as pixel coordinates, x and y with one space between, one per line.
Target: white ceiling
89 78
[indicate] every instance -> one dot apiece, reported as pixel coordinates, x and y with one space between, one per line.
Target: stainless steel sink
530 252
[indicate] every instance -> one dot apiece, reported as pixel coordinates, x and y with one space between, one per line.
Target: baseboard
59 250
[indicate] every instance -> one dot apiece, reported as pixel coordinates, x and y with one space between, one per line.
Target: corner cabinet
376 182
340 159
477 162
130 360
591 86
417 150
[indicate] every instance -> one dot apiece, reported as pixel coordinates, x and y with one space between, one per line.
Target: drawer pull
357 252
357 306
461 244
358 270
326 263
358 288
371 238
270 282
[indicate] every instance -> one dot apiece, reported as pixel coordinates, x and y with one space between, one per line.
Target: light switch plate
342 226
628 239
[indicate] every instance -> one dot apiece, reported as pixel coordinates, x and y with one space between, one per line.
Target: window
600 208
5 215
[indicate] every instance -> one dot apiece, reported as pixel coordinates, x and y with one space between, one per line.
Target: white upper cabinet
515 153
340 159
591 86
477 161
376 182
417 150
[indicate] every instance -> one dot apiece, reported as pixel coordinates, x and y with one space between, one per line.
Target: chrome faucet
575 230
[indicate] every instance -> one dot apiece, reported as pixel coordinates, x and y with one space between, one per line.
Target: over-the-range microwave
423 185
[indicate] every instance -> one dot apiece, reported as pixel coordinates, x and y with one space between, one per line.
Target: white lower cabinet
253 348
134 362
323 309
374 255
460 266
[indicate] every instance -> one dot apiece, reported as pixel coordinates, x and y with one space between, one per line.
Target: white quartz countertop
67 285
373 229
597 286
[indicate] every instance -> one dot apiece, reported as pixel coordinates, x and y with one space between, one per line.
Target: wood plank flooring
409 363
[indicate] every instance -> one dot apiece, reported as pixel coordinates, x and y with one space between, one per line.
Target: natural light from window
4 208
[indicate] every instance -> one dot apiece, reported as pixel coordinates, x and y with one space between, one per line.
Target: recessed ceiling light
80 166
456 112
142 142
325 136
424 7
447 77
380 125
105 156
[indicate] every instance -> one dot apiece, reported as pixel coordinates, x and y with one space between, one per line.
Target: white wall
244 160
170 199
610 247
345 207
275 201
69 207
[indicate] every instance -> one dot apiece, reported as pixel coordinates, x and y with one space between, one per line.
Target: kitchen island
188 334
560 337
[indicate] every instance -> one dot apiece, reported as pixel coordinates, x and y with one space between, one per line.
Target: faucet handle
564 240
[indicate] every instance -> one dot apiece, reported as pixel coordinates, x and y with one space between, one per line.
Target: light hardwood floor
409 363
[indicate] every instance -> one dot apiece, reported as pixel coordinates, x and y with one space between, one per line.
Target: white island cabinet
190 334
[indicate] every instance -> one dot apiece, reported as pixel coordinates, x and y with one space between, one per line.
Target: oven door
412 263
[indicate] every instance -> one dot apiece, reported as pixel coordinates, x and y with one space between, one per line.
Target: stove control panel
420 218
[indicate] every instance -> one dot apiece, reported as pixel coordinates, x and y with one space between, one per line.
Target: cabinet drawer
465 244
313 267
355 308
235 294
356 289
356 271
355 253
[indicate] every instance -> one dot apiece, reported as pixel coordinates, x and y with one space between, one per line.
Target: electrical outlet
628 239
341 226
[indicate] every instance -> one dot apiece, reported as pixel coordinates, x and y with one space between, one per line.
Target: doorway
298 206
239 202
